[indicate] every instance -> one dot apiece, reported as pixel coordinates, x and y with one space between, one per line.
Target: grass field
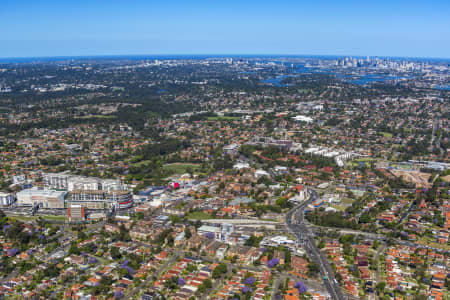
180 168
355 163
432 243
387 134
142 162
366 159
220 118
32 218
58 218
199 215
22 218
97 116
345 202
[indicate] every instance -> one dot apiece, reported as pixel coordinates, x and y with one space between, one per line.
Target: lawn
340 208
347 200
22 218
51 217
97 116
432 243
223 118
180 168
199 215
366 159
32 218
142 162
387 134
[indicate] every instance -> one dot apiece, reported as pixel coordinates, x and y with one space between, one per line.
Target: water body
445 87
369 78
354 79
276 81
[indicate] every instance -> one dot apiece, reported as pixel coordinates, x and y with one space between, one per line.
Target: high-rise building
76 213
7 199
65 181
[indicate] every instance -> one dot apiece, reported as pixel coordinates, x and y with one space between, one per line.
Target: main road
296 224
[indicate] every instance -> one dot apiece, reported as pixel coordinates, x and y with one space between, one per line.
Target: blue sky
318 27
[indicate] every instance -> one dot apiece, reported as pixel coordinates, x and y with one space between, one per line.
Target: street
303 233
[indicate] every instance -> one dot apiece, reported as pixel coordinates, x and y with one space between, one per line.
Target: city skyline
50 28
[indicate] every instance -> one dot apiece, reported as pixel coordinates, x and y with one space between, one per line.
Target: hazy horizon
204 55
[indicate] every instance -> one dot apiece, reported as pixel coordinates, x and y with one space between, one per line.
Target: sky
31 28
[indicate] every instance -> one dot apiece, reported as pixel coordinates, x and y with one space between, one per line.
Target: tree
74 249
171 283
313 268
207 283
187 233
202 288
380 287
115 253
123 272
219 271
301 287
191 268
140 215
254 241
283 202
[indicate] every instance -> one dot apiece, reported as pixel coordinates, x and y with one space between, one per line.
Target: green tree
219 271
73 249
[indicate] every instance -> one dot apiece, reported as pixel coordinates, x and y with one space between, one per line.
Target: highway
296 225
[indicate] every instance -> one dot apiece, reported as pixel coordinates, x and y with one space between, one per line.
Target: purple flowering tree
273 262
125 263
118 295
13 251
6 227
130 270
92 260
249 281
301 287
181 281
